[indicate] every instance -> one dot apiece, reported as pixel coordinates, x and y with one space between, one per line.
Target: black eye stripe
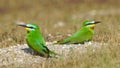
31 27
89 23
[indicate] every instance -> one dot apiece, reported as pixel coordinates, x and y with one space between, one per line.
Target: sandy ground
22 54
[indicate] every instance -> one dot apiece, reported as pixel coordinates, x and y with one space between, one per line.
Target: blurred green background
58 17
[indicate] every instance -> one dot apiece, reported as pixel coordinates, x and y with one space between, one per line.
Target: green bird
36 41
86 33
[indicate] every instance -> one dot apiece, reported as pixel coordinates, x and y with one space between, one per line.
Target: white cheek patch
93 25
89 25
32 29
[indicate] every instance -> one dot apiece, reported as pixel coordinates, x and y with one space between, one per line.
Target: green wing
80 36
37 46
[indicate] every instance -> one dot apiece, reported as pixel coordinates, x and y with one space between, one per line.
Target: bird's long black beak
21 24
96 22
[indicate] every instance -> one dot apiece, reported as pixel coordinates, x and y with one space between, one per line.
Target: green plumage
86 33
36 41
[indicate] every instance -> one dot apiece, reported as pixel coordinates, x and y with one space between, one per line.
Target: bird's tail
62 42
53 54
58 42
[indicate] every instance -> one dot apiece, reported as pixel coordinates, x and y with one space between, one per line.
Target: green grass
72 13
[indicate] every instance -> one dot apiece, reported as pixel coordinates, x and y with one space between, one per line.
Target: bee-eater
36 41
86 33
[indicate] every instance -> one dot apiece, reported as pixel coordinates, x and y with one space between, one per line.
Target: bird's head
90 23
29 27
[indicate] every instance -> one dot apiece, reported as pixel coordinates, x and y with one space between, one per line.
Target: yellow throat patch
92 26
28 29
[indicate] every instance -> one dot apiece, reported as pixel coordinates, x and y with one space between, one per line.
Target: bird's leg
82 43
35 53
32 52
